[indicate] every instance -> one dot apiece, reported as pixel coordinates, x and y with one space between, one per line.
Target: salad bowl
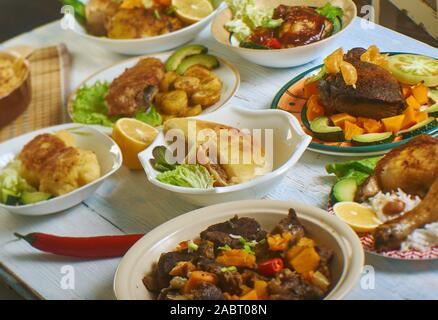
287 57
289 143
108 155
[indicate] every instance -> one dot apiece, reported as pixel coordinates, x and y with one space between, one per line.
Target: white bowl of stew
285 57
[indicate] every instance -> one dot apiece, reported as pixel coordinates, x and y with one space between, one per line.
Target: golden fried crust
411 167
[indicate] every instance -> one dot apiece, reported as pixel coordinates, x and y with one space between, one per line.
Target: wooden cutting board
50 69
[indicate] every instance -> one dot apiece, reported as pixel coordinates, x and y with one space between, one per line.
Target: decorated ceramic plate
291 98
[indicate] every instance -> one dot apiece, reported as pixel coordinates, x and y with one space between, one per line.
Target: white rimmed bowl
148 44
107 151
226 71
284 58
289 143
327 230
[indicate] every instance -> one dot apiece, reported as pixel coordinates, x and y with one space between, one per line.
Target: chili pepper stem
27 237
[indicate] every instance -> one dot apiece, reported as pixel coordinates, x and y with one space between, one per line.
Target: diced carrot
340 118
411 101
410 117
393 124
421 116
252 295
406 90
351 130
372 126
237 258
197 277
261 288
314 108
310 89
306 261
420 93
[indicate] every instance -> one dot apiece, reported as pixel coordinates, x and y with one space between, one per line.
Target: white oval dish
107 151
327 230
290 142
226 71
148 44
290 57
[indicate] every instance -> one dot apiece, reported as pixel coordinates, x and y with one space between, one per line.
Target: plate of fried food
243 250
152 89
137 27
391 201
53 169
364 102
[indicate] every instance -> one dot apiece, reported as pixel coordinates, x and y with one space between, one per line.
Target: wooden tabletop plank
128 203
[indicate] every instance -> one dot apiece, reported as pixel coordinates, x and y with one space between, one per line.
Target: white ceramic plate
148 44
324 228
227 72
87 138
289 143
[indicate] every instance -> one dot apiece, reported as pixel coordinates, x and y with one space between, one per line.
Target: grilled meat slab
135 88
377 94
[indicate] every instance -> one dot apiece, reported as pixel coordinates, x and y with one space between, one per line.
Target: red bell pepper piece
273 43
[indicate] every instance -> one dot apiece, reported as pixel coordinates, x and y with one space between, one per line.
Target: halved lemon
133 136
357 216
413 69
191 11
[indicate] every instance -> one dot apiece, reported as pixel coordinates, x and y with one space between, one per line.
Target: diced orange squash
261 288
310 89
360 121
372 126
406 89
252 295
393 124
197 277
237 258
411 101
340 118
306 261
351 130
302 244
421 116
410 117
420 93
314 108
279 242
229 296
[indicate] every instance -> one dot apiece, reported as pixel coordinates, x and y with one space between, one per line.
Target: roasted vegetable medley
238 260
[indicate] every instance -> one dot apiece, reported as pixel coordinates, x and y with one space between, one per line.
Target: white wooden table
127 203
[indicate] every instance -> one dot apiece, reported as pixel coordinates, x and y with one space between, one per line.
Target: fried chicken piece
51 166
98 14
377 94
391 234
135 88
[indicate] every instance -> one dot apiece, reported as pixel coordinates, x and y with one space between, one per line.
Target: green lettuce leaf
187 175
159 161
341 169
330 11
11 180
151 117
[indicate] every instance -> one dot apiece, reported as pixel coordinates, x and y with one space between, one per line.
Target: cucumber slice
9 198
179 55
34 197
370 139
317 76
345 190
337 25
321 128
419 128
433 110
205 60
413 69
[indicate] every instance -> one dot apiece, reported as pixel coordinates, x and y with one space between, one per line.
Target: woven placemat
49 68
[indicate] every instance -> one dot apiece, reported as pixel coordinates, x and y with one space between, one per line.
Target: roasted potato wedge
205 98
193 111
173 102
211 84
198 71
188 84
168 80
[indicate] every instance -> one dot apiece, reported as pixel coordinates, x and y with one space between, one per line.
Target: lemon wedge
133 136
191 11
357 216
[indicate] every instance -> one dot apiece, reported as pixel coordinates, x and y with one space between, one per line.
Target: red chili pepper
273 43
271 266
84 247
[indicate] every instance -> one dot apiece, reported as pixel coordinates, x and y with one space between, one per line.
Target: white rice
421 239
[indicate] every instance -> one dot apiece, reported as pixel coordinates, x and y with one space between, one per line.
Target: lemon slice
133 136
357 216
191 11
